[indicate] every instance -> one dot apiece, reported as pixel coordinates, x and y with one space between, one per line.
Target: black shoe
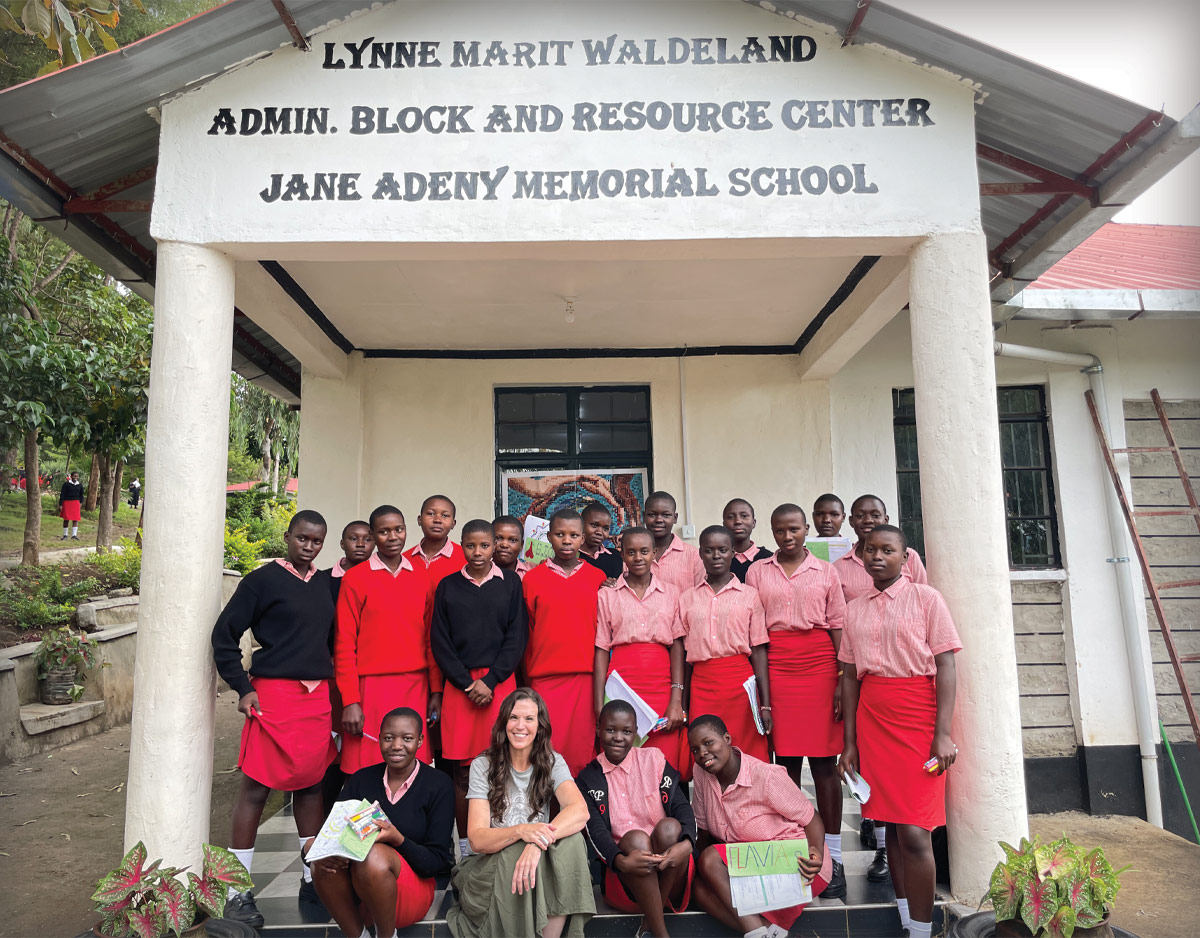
241 908
866 833
878 871
837 883
312 909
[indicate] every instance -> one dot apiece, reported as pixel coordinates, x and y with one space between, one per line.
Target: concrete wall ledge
1045 576
105 612
41 718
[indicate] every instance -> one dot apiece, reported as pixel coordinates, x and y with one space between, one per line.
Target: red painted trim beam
108 190
98 206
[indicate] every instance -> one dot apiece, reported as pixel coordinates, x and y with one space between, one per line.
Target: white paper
751 688
754 894
615 688
859 789
838 547
326 843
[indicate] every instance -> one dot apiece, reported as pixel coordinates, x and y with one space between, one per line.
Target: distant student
738 518
639 822
866 512
436 554
898 691
737 799
394 884
675 561
597 523
805 608
381 652
478 636
286 740
639 635
70 500
828 515
357 543
509 539
560 596
725 636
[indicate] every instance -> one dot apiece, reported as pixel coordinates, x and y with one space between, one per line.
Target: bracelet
680 686
764 708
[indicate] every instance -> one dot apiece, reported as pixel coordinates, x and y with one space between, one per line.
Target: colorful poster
542 492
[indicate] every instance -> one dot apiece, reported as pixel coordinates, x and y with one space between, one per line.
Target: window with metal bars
1025 460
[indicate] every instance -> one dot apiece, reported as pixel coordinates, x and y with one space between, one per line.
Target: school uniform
382 659
762 803
680 565
422 809
70 500
857 581
478 632
287 743
607 560
635 794
891 637
802 609
560 655
638 634
720 628
450 559
742 559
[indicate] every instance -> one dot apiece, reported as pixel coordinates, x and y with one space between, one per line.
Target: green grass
12 524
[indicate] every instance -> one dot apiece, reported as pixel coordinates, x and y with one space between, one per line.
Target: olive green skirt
484 904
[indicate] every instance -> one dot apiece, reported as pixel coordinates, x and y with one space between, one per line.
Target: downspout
1129 595
683 431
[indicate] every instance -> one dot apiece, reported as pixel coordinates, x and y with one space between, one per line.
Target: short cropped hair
477 526
439 498
635 530
384 510
565 514
788 508
346 529
662 497
307 516
889 529
717 530
408 712
502 520
869 498
617 706
708 719
595 508
737 501
829 497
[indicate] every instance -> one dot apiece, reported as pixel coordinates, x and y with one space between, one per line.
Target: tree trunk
8 462
33 502
118 481
108 472
93 485
275 476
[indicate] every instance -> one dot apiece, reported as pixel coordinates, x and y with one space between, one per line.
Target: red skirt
466 728
287 745
573 727
414 896
70 510
784 918
803 670
717 689
616 896
378 694
646 668
896 717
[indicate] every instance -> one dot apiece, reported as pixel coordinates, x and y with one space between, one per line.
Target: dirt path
62 820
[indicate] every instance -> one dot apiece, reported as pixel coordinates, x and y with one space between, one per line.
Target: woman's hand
479 693
330 865
849 761
525 874
676 856
638 862
810 866
388 833
675 717
352 719
768 721
538 835
249 706
944 750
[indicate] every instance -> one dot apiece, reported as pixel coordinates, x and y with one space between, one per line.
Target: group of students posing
855 657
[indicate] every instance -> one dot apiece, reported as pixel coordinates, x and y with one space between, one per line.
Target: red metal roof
292 486
1129 257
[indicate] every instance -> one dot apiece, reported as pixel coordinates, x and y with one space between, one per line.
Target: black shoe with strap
837 883
878 871
241 908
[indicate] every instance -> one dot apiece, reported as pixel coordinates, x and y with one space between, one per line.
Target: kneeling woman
394 885
530 875
738 798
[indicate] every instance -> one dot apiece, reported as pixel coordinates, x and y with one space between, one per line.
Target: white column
171 749
962 504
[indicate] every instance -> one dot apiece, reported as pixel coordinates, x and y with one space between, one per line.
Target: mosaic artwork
541 493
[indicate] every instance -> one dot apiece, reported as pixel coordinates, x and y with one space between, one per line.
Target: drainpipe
1130 595
683 431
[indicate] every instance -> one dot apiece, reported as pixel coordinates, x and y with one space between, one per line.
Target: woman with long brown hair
529 875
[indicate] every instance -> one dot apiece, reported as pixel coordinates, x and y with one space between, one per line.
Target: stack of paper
648 720
338 839
832 549
765 875
751 689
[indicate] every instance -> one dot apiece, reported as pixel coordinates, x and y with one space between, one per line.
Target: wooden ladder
1153 588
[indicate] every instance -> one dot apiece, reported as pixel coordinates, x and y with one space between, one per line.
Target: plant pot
210 927
984 925
56 686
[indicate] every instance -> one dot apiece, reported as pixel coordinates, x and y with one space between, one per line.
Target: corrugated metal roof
1135 257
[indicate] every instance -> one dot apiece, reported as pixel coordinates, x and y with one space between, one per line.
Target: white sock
902 908
306 871
919 929
880 836
464 848
833 846
245 857
74 530
365 934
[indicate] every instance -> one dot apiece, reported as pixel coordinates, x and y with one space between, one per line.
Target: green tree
273 426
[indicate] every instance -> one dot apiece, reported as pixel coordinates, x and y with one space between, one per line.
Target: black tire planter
983 925
56 686
212 927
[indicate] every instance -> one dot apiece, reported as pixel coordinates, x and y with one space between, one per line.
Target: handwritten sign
765 857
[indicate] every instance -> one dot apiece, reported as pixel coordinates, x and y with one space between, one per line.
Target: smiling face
304 543
739 520
828 517
710 749
637 550
789 529
618 733
437 519
596 525
883 556
479 549
717 554
660 518
399 740
866 513
507 542
566 537
390 533
357 543
522 726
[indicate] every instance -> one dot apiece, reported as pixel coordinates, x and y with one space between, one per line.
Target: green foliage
241 553
151 901
241 466
1053 888
124 566
61 649
71 29
48 603
270 526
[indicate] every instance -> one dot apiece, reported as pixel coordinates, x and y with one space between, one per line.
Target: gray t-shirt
517 811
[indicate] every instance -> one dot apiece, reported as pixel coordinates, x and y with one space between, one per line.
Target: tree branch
58 269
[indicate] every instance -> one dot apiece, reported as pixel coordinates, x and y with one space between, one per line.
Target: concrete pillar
171 748
954 383
331 450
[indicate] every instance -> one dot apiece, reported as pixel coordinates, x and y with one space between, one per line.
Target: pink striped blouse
811 598
856 580
724 623
897 632
623 619
680 565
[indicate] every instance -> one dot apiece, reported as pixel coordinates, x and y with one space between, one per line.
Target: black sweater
478 627
71 492
739 567
425 815
593 783
610 563
291 620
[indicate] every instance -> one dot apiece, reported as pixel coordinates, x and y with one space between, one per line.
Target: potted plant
151 901
59 658
1057 890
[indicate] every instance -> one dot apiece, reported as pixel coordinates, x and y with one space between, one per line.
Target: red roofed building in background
1129 257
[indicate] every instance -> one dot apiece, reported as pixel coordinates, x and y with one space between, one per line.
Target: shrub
270 526
50 587
124 566
241 553
33 612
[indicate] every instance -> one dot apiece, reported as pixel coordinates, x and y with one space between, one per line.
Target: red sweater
382 628
440 568
562 620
